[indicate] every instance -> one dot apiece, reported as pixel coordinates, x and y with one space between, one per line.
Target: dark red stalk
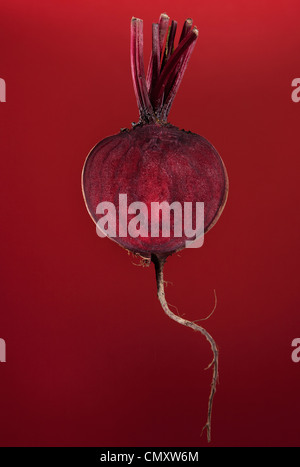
133 65
163 27
169 43
165 71
169 49
138 72
187 25
185 29
173 86
155 63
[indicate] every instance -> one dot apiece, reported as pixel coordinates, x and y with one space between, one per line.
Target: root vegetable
156 162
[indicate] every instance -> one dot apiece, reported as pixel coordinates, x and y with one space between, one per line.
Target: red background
91 357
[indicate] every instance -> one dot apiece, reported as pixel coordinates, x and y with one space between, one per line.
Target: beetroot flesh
155 163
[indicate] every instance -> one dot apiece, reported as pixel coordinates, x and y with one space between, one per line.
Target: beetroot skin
155 161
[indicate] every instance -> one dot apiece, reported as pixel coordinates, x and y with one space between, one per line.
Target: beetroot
156 162
132 163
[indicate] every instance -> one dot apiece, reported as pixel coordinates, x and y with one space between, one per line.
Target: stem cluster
156 91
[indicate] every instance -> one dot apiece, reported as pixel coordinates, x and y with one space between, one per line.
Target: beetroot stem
167 73
185 29
138 72
169 49
133 64
159 265
169 43
178 72
172 88
156 94
155 62
162 26
187 25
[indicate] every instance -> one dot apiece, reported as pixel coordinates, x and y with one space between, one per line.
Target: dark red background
91 357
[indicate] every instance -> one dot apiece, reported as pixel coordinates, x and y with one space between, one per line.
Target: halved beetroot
155 162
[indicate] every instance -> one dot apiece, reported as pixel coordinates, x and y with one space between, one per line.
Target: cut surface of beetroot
155 163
